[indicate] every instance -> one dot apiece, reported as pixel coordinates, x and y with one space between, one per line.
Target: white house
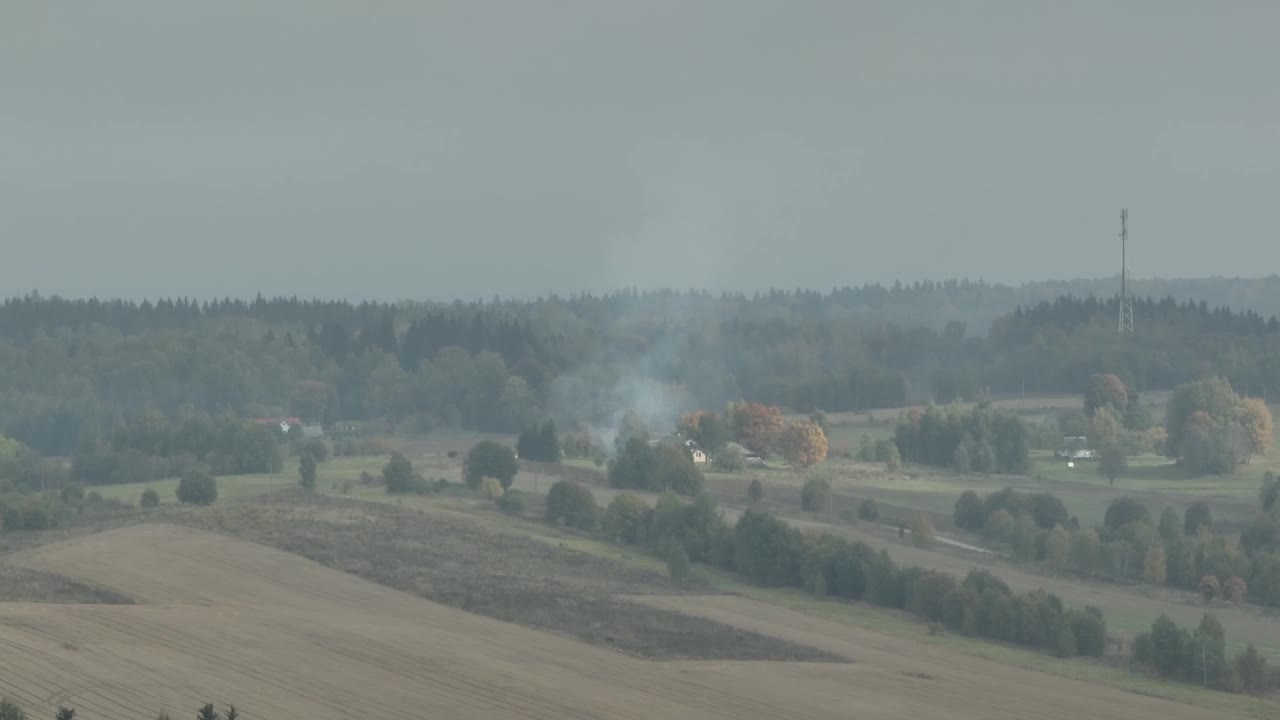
695 452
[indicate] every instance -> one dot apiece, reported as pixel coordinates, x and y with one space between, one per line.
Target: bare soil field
224 620
18 584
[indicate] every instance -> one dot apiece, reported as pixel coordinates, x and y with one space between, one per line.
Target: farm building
1075 448
695 451
284 423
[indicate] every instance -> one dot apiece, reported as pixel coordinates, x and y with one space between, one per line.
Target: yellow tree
1105 426
1154 565
1057 547
1256 419
804 444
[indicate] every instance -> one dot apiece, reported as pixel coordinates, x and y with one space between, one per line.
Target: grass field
220 619
231 487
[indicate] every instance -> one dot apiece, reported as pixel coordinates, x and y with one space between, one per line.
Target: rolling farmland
224 620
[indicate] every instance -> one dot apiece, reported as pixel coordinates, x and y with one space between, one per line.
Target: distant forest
71 370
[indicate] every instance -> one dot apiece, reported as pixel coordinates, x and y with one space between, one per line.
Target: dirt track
220 619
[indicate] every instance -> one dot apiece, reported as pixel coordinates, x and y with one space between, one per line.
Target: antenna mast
1126 302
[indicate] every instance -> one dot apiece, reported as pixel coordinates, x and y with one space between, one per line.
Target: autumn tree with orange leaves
803 444
756 426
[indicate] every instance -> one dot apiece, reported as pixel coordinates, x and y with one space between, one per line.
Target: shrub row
769 552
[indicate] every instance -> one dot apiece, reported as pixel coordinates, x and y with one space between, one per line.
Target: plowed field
224 620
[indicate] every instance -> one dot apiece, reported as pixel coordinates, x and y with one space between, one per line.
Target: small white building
1076 448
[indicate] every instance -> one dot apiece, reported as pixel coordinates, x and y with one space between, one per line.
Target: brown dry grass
224 620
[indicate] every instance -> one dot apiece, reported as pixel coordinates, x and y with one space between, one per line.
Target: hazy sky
429 149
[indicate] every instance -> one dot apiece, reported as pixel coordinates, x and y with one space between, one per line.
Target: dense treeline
72 367
150 446
1184 552
981 440
1200 656
769 552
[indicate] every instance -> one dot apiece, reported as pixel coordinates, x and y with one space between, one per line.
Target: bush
571 504
511 502
728 459
755 491
398 475
677 562
10 711
490 488
197 487
868 510
815 496
969 513
149 499
489 459
1209 587
921 531
1122 512
1235 590
626 519
72 493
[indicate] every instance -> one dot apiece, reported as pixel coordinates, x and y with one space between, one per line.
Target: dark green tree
307 472
969 513
755 491
1122 512
815 495
1270 491
1168 646
208 713
626 519
634 467
572 504
11 711
489 459
149 499
1196 517
65 713
540 443
197 487
398 474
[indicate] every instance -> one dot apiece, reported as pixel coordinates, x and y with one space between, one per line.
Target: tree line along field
914 489
218 619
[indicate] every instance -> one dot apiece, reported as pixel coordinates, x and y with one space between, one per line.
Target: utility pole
1126 302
